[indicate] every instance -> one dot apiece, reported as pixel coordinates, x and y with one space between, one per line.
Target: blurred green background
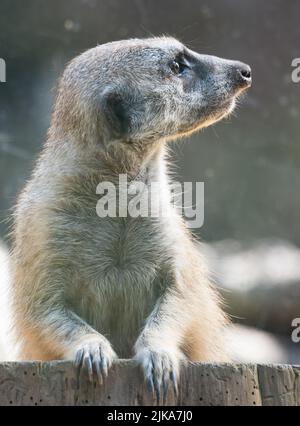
249 163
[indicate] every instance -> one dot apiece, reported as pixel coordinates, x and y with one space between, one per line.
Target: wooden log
56 383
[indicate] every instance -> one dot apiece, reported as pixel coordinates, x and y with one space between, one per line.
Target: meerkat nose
243 74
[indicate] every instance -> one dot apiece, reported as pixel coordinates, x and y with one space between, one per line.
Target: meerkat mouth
228 106
225 109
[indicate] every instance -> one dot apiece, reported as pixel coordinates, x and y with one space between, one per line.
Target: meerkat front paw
95 356
161 367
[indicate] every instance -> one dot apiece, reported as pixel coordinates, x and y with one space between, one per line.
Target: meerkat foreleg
158 347
92 352
78 341
52 330
186 324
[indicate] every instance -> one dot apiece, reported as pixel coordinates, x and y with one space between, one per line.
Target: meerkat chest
121 251
119 267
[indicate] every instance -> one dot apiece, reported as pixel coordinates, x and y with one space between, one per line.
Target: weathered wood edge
56 383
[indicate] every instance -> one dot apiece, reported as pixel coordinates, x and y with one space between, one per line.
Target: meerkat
92 289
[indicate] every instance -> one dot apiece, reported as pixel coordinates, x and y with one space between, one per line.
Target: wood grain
56 383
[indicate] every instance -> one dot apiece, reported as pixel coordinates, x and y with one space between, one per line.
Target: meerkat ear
116 115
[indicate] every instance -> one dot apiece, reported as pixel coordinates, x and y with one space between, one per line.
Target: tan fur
138 285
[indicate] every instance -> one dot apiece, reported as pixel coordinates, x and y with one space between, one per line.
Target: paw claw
87 363
78 358
174 381
97 366
157 392
165 389
104 367
98 372
160 368
150 385
94 358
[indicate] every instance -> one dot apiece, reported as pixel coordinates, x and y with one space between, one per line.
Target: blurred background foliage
249 163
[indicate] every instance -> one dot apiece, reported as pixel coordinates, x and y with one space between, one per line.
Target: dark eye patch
179 64
184 59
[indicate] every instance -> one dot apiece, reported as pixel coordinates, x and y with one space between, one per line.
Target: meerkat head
144 90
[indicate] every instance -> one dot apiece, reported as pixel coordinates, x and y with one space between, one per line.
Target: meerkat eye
178 66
